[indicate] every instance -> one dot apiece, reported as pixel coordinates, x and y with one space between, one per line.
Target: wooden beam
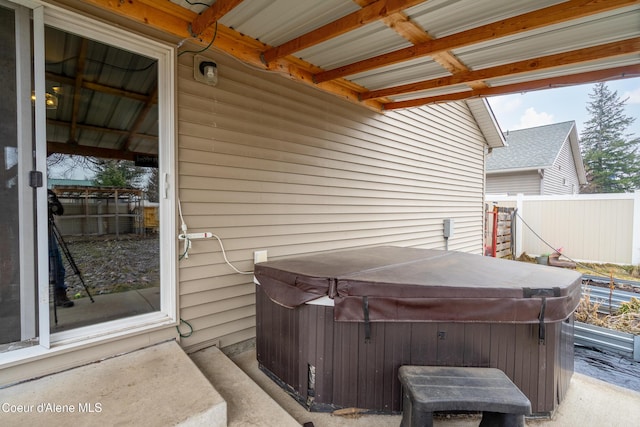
415 34
211 15
85 150
608 50
626 72
372 12
100 129
174 20
77 89
97 87
567 11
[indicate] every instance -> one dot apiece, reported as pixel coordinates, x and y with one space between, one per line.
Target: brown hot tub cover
395 284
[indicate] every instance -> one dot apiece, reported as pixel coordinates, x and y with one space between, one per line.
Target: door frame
167 316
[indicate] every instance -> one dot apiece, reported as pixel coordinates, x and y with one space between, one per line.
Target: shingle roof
535 147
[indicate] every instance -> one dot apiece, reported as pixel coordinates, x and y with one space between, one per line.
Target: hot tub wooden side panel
350 372
277 340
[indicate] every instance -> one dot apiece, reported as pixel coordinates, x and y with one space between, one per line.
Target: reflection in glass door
102 174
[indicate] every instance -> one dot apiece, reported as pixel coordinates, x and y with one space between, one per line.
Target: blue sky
542 107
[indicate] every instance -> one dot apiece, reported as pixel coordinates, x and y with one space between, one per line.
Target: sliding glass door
19 182
87 211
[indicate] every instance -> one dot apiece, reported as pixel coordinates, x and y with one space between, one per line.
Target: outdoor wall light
205 71
50 101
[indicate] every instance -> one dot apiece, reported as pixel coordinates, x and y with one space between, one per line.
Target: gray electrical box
448 228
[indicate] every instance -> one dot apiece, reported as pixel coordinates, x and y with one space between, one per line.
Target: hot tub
334 328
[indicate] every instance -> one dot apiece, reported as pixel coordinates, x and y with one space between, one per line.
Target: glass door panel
102 147
17 264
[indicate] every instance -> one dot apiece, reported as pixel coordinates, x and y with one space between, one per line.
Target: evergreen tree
117 173
611 156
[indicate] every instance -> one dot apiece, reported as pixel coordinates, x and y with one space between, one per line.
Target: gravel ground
110 265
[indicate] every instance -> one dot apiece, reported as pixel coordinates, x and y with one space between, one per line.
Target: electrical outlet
259 256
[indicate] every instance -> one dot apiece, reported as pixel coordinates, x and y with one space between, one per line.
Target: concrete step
247 403
155 386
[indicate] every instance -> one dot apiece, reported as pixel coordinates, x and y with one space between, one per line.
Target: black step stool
427 389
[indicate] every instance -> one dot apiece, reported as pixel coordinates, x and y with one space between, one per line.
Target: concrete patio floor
163 386
589 402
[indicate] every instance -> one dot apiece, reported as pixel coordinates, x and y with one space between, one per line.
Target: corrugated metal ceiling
105 96
279 21
361 50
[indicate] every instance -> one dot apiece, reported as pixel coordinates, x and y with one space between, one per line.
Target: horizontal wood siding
561 178
527 182
265 163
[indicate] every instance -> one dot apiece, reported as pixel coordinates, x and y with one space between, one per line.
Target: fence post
635 229
519 224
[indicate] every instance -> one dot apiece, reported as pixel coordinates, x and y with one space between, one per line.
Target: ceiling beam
569 10
609 50
85 150
77 90
101 129
174 20
626 72
415 34
212 14
372 12
97 87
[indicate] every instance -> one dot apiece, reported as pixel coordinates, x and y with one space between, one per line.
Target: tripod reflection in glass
56 268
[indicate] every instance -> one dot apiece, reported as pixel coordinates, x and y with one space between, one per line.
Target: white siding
269 164
527 182
561 178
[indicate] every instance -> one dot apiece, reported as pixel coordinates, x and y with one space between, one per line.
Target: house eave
482 112
536 169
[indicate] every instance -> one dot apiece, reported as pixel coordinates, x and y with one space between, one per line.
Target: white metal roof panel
397 74
196 6
580 34
441 18
277 21
365 42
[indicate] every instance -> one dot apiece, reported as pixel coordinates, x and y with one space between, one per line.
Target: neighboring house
283 165
542 160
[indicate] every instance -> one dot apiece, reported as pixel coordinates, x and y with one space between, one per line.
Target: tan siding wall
561 178
269 164
527 183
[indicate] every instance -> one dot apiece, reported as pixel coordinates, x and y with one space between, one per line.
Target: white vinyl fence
602 228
